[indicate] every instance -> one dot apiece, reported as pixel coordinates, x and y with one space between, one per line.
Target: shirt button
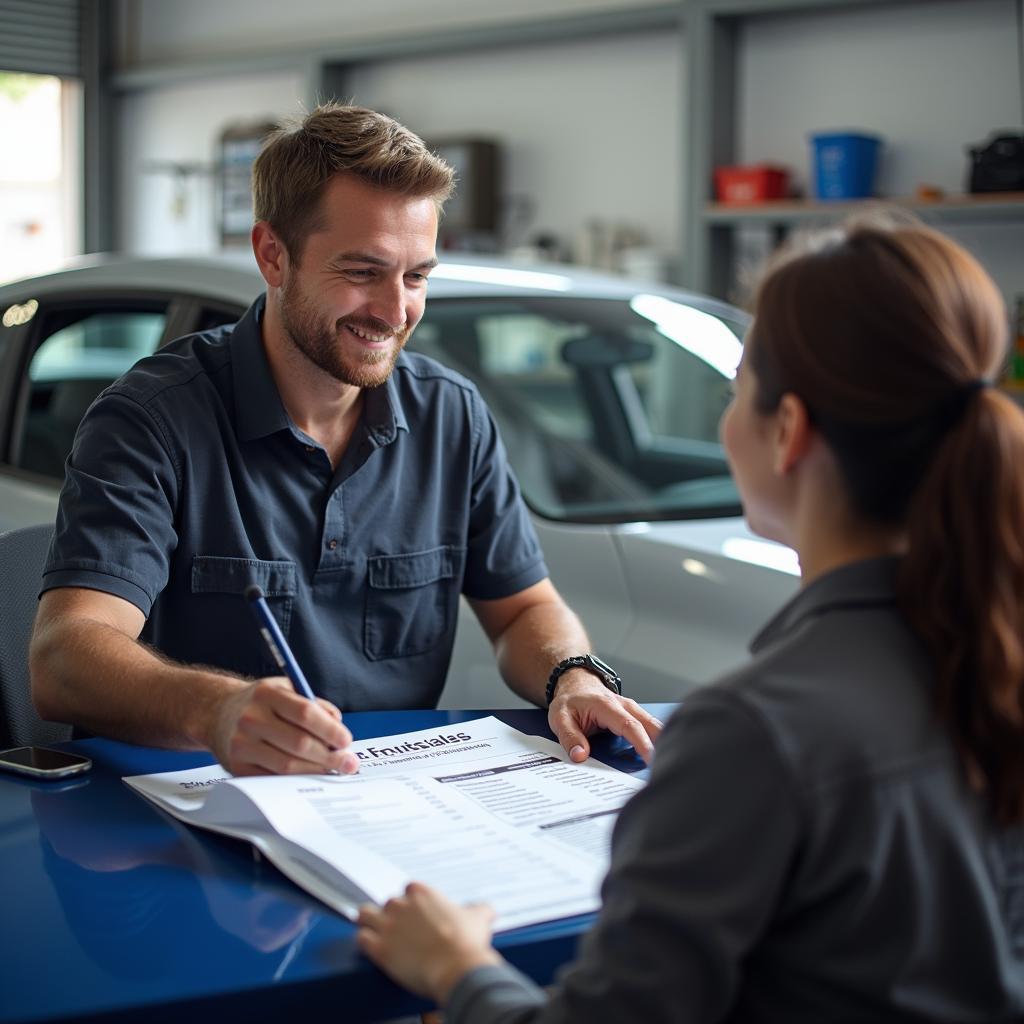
332 544
310 448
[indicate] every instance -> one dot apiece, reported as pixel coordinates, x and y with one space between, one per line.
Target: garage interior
625 168
563 101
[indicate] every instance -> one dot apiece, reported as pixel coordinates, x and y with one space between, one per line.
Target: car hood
728 538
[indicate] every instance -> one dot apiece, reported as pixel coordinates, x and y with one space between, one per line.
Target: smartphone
43 762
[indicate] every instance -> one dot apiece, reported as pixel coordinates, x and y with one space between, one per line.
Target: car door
57 354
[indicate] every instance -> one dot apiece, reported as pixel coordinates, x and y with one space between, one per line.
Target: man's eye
417 278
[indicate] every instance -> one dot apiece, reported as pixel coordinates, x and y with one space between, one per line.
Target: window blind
41 36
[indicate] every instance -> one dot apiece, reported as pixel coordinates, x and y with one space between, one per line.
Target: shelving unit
709 228
722 221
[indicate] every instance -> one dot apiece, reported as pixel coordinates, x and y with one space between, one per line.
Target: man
362 488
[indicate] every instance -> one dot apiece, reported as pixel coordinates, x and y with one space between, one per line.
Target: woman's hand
425 942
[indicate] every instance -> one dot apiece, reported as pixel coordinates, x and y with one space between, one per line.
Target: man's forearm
94 676
534 642
532 632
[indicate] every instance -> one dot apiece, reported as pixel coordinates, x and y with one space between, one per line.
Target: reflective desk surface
113 910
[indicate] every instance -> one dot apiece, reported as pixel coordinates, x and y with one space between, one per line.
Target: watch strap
592 664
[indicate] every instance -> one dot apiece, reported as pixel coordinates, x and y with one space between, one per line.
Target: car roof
232 275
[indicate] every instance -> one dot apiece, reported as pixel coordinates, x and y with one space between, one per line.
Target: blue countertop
113 910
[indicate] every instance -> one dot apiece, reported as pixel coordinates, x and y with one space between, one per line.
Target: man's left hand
583 705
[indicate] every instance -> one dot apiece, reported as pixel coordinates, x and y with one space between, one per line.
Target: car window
522 352
682 397
210 317
75 361
608 409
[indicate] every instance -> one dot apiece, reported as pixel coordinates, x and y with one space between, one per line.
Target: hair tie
951 408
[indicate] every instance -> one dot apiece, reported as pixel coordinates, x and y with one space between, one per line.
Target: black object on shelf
998 164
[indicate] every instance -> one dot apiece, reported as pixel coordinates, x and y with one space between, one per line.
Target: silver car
607 394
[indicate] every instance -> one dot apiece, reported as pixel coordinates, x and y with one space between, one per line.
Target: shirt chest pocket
411 601
222 614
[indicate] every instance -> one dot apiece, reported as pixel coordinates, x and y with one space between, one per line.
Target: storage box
751 184
845 164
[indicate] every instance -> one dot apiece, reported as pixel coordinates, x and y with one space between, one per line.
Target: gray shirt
807 849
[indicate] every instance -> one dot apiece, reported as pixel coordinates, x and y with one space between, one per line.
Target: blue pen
276 643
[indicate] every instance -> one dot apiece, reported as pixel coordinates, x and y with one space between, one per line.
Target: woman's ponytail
961 587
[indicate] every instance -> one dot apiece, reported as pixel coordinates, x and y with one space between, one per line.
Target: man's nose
388 304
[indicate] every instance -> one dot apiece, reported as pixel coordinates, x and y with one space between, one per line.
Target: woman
835 831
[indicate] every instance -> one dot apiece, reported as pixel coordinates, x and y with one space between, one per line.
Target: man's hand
582 705
425 942
535 629
268 729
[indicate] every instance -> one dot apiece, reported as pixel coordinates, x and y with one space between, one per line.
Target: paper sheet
478 809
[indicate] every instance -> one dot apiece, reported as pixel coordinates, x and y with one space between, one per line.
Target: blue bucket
845 165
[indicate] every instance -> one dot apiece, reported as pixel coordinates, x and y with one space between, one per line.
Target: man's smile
364 335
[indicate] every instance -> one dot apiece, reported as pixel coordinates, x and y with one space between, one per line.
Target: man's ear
271 255
793 433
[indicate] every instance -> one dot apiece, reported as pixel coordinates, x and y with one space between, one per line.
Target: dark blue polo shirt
188 482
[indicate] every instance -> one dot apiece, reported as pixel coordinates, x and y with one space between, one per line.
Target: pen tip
253 593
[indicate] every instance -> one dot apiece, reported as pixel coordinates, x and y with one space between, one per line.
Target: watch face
603 666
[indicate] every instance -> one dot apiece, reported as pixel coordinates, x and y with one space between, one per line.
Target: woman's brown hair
891 334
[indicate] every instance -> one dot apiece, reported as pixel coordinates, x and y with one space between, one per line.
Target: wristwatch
590 662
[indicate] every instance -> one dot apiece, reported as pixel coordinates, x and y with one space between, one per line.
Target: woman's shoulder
843 695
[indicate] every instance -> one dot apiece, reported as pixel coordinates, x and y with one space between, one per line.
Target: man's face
358 290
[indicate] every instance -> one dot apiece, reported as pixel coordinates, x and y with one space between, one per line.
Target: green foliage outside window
16 86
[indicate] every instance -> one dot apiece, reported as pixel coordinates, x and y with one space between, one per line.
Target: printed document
478 810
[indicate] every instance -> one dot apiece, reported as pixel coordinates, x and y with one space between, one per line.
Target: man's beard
324 344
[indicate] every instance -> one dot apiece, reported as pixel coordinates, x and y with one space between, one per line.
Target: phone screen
42 759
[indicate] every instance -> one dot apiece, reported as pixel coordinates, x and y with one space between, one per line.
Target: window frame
180 312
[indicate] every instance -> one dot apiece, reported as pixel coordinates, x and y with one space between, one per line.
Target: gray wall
163 30
592 129
181 124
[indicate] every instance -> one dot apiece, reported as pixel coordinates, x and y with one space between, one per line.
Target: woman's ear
793 433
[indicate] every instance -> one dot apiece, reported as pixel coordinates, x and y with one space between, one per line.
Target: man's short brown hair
299 159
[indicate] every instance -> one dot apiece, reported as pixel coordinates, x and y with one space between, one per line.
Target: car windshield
608 408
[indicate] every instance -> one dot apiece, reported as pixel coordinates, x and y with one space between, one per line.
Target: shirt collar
383 415
865 584
259 410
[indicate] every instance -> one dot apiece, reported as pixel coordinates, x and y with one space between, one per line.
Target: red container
751 184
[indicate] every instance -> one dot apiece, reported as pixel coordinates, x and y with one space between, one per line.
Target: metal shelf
711 44
988 208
